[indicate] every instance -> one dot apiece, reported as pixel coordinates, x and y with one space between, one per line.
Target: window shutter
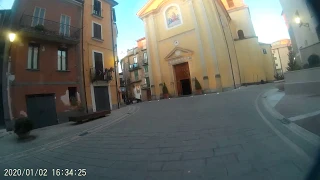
97 31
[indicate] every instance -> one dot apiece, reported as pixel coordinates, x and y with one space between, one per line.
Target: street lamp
12 37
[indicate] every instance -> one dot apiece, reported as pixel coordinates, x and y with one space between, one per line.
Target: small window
38 16
97 8
146 69
276 64
136 75
97 31
62 60
147 81
65 25
230 3
264 51
135 60
33 56
241 34
73 96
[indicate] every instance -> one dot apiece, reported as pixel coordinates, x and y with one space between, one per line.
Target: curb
303 133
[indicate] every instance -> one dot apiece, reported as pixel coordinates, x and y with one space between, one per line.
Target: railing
136 79
134 66
104 75
97 11
145 86
49 28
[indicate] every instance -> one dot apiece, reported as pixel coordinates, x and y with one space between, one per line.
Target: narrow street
214 136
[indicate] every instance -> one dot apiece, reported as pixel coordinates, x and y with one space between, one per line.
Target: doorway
186 86
182 74
102 100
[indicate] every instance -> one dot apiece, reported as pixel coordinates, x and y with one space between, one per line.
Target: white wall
305 36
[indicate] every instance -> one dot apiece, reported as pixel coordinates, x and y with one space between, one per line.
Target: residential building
303 28
211 41
4 26
44 76
99 55
280 51
136 71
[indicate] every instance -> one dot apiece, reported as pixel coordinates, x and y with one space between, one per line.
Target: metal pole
8 84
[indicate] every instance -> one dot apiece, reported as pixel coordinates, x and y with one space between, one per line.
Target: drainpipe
82 62
114 60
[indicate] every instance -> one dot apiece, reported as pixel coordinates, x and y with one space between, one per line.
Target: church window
241 34
173 16
230 3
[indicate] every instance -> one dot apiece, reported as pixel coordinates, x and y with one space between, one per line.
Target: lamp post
12 37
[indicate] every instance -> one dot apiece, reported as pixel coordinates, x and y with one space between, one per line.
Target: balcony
134 66
35 27
145 86
97 75
135 79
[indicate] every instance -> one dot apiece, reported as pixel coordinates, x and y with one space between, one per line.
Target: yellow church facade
212 41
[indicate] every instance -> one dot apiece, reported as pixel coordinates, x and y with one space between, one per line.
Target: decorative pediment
178 53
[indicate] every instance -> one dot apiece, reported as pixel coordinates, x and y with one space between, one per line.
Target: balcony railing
50 30
145 86
136 79
97 11
100 75
134 66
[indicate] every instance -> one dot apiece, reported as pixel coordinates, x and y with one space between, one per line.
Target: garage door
41 109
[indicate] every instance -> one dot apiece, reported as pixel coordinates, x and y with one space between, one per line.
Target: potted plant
39 27
165 91
198 86
22 127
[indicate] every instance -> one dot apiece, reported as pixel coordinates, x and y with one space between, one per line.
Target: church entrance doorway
183 81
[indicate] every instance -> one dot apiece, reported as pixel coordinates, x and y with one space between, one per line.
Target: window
33 56
145 56
241 34
230 3
38 16
264 51
97 8
147 81
136 75
73 96
65 25
98 65
97 31
62 60
146 69
135 60
276 64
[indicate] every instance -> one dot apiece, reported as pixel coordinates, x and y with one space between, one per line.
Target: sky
266 17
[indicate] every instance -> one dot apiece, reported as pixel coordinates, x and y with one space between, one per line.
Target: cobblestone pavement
203 137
